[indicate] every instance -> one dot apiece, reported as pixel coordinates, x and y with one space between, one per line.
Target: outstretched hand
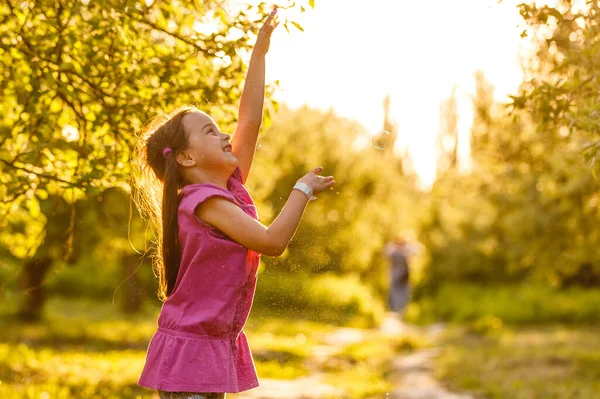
317 183
264 35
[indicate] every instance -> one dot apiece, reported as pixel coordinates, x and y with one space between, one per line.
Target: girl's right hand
317 183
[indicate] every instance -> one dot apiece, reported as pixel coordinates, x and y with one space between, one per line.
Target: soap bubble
382 139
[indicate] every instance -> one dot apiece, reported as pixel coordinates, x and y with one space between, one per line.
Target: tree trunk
32 278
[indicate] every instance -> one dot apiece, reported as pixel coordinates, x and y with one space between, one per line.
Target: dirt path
309 387
414 371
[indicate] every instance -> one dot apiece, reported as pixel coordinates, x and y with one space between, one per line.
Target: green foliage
98 262
327 298
79 79
485 308
343 231
528 209
547 362
91 279
562 84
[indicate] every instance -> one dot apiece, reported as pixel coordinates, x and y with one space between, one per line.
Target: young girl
211 241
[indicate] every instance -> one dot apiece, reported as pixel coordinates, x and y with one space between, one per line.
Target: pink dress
200 345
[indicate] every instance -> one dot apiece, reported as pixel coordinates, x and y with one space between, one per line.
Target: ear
184 159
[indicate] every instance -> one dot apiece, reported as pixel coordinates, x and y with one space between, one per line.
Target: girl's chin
233 161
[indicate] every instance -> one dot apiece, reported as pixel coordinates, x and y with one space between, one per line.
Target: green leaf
297 25
223 16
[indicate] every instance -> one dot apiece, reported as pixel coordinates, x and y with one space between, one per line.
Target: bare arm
250 115
240 227
272 240
251 103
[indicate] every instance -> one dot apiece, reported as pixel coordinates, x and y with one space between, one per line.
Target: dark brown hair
157 182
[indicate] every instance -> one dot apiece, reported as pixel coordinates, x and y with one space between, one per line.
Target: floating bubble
382 139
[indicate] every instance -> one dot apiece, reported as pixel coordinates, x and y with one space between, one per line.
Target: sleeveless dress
200 345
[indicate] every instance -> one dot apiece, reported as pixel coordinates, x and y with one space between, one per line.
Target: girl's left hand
264 35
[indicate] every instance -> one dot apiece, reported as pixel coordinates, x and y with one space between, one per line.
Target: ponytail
157 181
171 256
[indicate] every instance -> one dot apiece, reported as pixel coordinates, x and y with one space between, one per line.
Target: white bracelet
305 189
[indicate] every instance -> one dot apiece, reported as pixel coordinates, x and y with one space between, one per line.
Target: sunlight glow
350 56
70 133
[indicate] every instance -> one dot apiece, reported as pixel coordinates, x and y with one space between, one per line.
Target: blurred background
488 164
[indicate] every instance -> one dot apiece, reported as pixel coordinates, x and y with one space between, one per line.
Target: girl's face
208 148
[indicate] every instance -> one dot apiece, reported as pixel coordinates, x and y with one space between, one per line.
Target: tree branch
172 34
32 53
42 175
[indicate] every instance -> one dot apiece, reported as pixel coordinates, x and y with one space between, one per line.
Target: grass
60 359
521 341
495 347
517 304
36 372
554 361
82 349
89 349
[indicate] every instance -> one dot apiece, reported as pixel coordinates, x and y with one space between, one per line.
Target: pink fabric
200 345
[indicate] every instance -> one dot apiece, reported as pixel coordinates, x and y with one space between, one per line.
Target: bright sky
352 53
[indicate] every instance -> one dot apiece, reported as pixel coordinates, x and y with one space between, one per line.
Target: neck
199 176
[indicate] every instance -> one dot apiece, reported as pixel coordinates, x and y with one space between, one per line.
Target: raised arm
251 103
272 240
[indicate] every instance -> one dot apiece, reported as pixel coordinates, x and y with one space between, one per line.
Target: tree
447 139
483 104
528 210
78 79
562 83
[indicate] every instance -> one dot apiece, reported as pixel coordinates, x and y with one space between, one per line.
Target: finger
317 170
271 15
327 185
325 179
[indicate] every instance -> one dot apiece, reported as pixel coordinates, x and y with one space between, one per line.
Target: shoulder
195 194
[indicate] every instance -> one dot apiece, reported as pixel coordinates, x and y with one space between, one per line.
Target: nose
226 137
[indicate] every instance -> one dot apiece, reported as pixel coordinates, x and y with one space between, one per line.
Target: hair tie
166 151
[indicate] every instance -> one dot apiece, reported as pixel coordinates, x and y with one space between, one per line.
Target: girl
210 241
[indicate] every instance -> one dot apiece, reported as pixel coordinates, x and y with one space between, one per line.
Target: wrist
306 189
258 55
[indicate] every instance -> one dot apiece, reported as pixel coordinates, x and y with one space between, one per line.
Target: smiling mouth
227 148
